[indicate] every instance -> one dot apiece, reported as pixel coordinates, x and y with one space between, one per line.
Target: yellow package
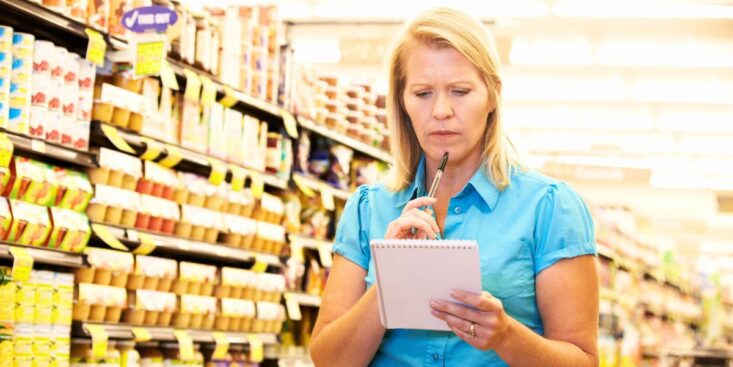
41 346
43 314
61 316
25 293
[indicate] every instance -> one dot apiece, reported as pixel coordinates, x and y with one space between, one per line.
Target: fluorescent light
543 51
683 53
518 86
711 90
556 115
641 9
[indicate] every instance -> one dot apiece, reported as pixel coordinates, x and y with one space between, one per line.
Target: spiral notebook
409 273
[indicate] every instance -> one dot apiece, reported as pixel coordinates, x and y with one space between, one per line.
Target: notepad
409 273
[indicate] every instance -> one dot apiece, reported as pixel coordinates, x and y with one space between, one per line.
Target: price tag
324 252
152 149
185 345
230 98
174 157
147 245
303 186
258 185
113 135
238 177
259 266
193 86
22 264
6 150
293 307
208 93
296 252
107 237
96 48
141 335
99 341
168 76
257 353
38 146
290 125
218 171
222 346
149 55
327 198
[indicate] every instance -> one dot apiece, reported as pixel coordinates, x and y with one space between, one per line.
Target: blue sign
141 20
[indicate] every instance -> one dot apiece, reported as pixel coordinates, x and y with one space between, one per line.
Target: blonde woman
539 306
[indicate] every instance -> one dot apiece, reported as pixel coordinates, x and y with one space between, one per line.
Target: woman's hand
484 326
413 217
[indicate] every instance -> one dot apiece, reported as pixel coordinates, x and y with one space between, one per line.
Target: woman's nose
442 109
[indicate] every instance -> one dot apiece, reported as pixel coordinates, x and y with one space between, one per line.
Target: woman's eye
422 94
460 92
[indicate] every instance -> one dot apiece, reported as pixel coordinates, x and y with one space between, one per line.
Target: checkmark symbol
129 22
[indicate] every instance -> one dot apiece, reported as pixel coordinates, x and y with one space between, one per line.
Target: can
81 137
43 52
40 87
67 130
58 63
6 38
85 105
23 40
53 126
36 130
71 70
87 71
69 100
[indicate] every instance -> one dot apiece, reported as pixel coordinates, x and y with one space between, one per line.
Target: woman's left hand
484 326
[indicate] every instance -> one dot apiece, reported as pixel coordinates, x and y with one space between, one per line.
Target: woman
536 242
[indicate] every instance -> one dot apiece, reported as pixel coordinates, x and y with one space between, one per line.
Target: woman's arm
567 297
348 330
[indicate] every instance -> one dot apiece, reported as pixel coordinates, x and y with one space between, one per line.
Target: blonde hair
443 27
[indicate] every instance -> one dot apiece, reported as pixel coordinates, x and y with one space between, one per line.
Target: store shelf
49 152
308 242
721 354
304 299
346 140
318 185
163 334
180 246
193 162
45 256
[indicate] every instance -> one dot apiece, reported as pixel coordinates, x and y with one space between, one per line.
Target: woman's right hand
413 217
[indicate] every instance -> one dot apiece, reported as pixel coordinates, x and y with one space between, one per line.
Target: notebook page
410 273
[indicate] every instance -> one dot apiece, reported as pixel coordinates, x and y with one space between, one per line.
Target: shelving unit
304 299
318 186
308 242
45 256
49 152
346 140
179 246
163 334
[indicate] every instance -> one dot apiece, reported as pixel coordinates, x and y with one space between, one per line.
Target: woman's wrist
509 335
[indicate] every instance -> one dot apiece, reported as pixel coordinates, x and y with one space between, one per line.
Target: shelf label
193 86
185 345
258 185
152 149
230 98
238 177
22 264
6 150
327 198
149 51
324 252
222 345
168 76
218 171
147 245
99 341
208 92
291 303
260 266
38 146
290 125
96 48
173 158
256 350
113 135
142 335
107 237
303 186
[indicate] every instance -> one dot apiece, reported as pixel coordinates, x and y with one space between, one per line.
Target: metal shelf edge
46 256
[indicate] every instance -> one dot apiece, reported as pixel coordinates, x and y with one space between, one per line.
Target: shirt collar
484 186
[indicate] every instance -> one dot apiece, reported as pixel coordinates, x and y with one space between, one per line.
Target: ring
472 330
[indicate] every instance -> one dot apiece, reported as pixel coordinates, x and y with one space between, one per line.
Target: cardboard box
31 224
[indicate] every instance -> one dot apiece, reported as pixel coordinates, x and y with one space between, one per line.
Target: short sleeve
352 233
563 227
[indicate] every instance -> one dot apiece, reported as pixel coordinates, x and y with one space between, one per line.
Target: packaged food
20 83
71 231
31 224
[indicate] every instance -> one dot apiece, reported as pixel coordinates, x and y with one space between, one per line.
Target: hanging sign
143 19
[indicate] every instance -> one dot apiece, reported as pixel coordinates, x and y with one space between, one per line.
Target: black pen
434 187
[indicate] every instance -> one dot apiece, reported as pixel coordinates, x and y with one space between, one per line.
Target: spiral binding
424 244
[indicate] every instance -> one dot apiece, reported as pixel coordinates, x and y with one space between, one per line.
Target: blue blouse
529 226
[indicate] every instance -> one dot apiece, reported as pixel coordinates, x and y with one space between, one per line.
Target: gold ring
472 330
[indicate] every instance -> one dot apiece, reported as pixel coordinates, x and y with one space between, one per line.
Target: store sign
157 18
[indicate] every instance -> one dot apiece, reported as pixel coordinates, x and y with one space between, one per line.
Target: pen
434 186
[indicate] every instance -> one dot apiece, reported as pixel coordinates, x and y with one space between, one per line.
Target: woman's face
447 101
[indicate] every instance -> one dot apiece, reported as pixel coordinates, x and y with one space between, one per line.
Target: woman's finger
426 217
403 225
419 202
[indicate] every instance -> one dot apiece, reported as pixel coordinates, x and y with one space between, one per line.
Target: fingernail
436 304
435 313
